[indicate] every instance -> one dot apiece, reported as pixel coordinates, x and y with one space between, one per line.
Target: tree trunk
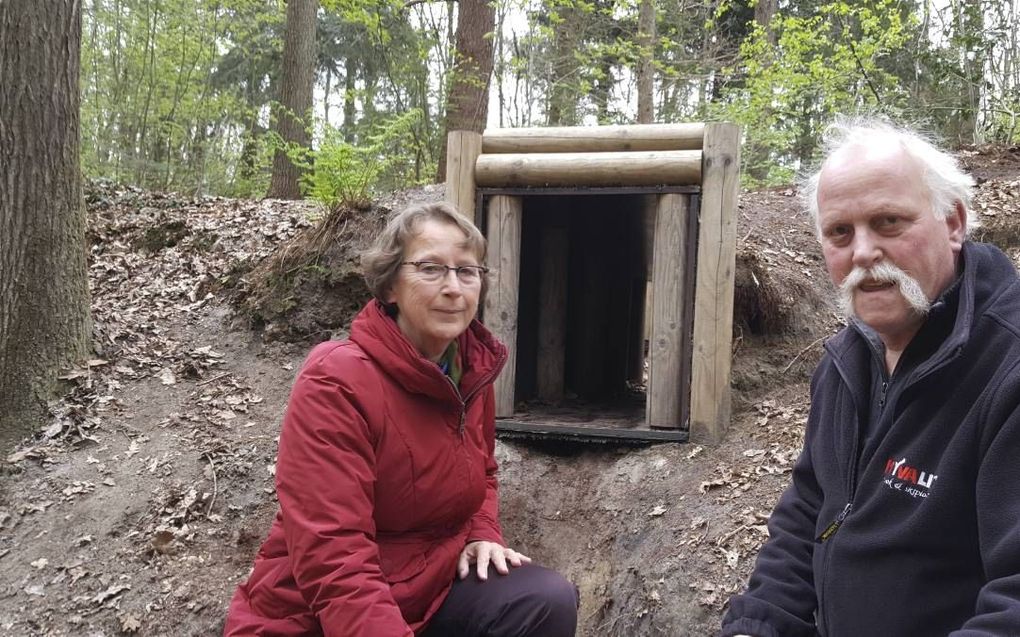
646 62
350 92
44 298
764 11
467 104
562 93
297 78
970 26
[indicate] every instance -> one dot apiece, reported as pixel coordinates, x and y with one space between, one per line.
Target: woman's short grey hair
946 181
380 263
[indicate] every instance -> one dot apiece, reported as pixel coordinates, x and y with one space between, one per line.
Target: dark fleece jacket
921 527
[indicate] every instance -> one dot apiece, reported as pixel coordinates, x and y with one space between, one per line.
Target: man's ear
957 224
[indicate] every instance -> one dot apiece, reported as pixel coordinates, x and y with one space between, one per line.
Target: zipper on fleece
835 524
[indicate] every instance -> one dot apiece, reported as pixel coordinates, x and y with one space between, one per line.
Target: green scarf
450 363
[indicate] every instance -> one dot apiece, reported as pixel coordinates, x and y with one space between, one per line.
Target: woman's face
433 313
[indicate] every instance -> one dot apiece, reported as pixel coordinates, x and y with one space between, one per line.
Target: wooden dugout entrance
582 223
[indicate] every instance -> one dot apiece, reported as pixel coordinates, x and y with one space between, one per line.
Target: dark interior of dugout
603 242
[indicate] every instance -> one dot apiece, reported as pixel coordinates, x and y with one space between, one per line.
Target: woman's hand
483 553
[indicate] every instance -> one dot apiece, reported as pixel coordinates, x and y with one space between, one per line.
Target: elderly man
903 515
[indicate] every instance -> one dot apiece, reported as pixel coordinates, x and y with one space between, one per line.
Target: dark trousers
530 601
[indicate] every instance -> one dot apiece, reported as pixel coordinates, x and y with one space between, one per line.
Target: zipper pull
881 399
832 528
463 414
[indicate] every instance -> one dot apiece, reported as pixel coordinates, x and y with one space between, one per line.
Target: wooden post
504 224
462 150
713 297
552 309
664 408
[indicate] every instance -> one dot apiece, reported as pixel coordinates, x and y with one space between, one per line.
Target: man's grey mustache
907 285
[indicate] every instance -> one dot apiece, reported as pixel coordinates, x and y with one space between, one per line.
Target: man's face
874 208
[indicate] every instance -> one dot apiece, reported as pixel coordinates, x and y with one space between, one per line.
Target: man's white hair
946 181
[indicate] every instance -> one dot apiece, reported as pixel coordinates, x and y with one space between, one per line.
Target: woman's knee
555 600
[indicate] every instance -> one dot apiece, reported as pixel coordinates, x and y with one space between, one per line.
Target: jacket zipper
834 526
830 530
482 382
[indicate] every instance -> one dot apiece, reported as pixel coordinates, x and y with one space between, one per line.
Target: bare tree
297 79
44 297
467 105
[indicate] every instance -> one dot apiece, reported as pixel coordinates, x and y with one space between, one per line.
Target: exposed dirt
138 508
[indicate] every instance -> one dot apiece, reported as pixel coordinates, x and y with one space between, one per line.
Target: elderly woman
386 478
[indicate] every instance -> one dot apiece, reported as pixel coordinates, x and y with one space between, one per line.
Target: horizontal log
585 139
643 168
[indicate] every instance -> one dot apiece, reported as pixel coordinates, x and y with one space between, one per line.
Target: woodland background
153 313
197 95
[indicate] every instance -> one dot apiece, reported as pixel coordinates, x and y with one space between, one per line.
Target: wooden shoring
501 300
552 310
634 168
571 139
462 150
667 338
713 297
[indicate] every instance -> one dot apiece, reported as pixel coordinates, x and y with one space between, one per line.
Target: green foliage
339 174
827 62
169 87
177 94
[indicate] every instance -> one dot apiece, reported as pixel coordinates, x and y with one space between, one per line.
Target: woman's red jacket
385 472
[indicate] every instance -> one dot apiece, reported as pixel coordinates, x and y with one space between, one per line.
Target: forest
197 96
185 189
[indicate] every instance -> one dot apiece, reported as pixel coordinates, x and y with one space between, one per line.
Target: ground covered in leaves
138 507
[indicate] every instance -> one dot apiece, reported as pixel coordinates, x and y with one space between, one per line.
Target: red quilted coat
385 472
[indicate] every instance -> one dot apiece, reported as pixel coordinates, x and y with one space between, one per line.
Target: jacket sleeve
485 523
997 496
780 600
325 480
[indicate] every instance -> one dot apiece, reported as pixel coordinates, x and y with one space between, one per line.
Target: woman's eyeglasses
436 272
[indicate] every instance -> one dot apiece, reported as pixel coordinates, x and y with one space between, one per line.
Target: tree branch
857 59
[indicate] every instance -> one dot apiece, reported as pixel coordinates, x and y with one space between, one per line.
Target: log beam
638 168
560 139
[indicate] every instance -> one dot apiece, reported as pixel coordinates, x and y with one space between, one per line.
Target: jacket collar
378 335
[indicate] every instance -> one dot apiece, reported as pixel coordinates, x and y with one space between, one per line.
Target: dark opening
603 242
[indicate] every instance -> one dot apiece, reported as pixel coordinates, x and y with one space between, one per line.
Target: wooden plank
504 229
666 343
593 433
641 298
713 300
593 138
552 309
462 150
637 168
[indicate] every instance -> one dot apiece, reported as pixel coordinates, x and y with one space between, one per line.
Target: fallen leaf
167 377
130 624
